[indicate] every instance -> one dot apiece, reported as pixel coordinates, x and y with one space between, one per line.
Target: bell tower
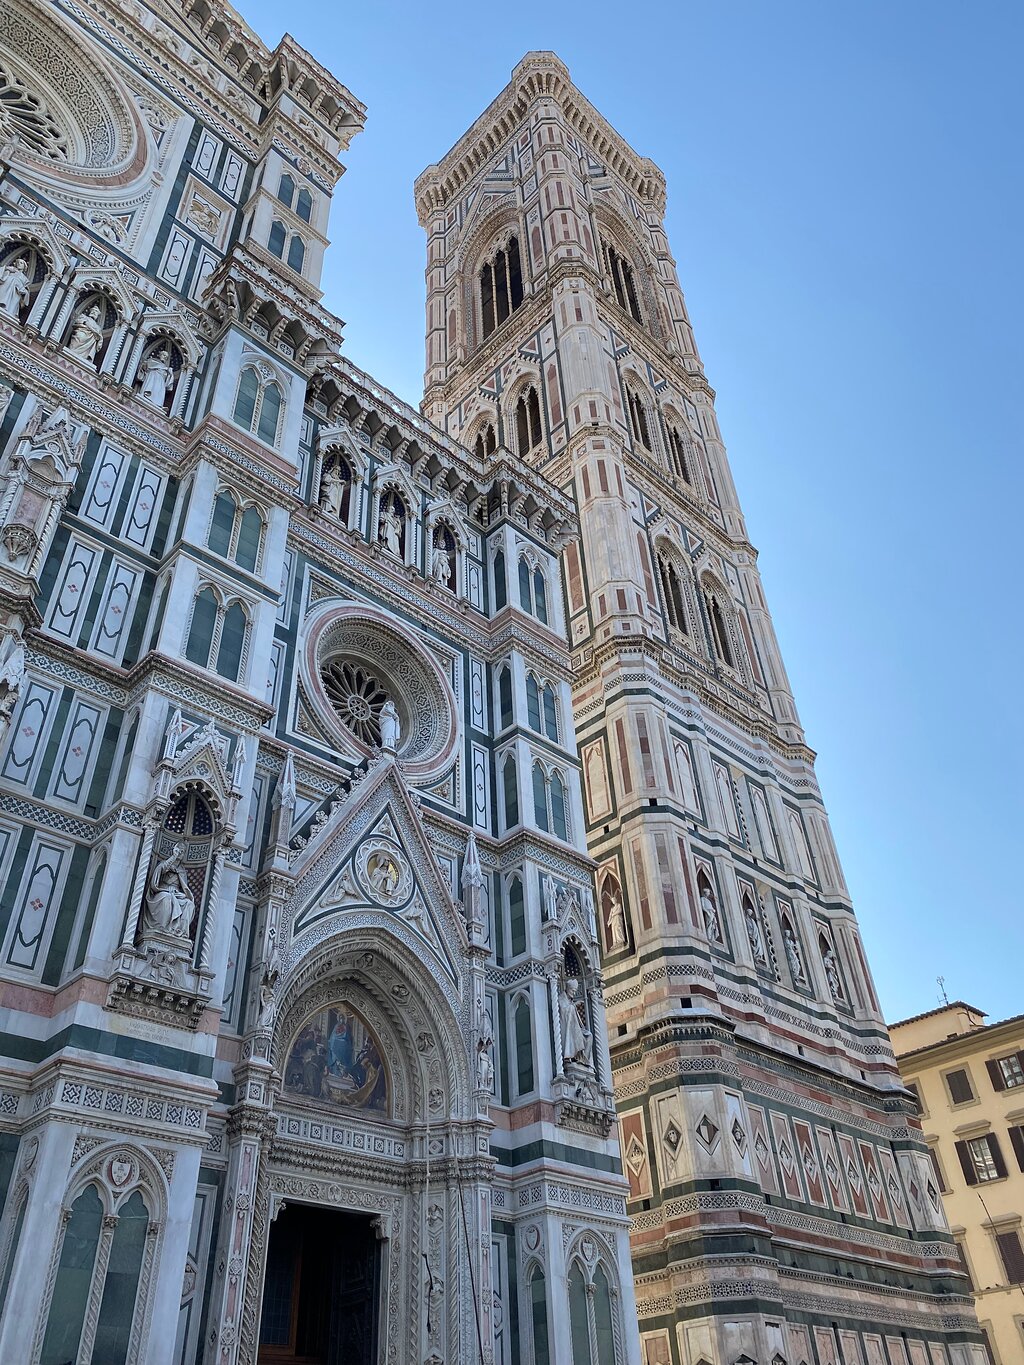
778 1175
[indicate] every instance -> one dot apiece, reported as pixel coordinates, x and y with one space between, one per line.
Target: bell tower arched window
719 631
501 286
678 453
486 442
672 591
620 278
528 428
638 418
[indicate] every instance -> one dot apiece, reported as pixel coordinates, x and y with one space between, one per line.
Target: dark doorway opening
321 1293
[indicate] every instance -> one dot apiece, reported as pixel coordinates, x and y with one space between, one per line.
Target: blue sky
845 209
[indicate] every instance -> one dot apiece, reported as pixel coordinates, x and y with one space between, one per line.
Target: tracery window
500 581
486 442
501 286
539 1318
258 404
672 591
25 114
505 712
357 696
235 532
217 634
301 203
620 276
592 1305
279 239
528 427
524 1046
510 791
638 418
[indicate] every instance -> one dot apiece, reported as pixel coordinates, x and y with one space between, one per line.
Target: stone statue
485 1065
835 983
754 933
440 565
796 965
391 530
390 727
12 675
157 378
268 994
617 923
170 905
550 899
710 913
575 1038
86 335
14 284
332 491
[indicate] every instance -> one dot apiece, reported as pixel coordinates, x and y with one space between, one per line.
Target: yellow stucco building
969 1080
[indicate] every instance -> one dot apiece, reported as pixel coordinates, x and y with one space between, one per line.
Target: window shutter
1020 1058
995 1073
1017 1143
959 1087
966 1163
1012 1254
997 1156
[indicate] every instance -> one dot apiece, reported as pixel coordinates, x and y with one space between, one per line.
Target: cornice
540 75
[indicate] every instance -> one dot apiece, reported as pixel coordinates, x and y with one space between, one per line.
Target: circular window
357 659
69 117
357 696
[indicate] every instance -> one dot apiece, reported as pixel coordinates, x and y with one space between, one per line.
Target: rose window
357 696
24 115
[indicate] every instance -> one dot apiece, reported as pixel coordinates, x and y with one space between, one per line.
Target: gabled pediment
371 861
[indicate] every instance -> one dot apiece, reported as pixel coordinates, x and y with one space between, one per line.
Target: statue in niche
157 378
831 964
710 912
170 905
332 491
617 922
550 899
485 1065
441 564
575 1038
793 957
86 335
390 727
390 529
754 933
268 994
12 675
14 285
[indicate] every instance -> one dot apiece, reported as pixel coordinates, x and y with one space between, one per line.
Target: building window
1017 1143
1007 1073
672 591
258 405
235 533
524 1047
505 713
500 583
501 286
217 634
532 591
486 442
1011 1253
719 631
528 428
540 708
620 277
549 802
981 1159
510 791
304 205
958 1083
517 916
277 238
286 190
539 1318
296 254
638 418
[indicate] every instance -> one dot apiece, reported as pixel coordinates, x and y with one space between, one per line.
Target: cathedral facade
342 743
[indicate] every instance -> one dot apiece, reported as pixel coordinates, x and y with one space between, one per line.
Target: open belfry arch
782 1204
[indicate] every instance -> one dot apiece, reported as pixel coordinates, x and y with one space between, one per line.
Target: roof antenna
942 989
